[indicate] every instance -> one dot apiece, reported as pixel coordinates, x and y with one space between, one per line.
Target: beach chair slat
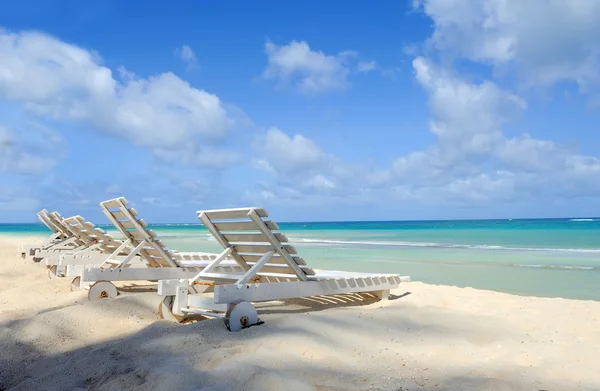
274 259
225 214
243 225
261 248
153 252
159 261
140 235
110 204
252 237
281 269
121 215
128 224
43 217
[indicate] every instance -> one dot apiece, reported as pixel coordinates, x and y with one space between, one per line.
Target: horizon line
357 221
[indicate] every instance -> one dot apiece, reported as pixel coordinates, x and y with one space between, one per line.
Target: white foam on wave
178 224
444 245
559 267
583 220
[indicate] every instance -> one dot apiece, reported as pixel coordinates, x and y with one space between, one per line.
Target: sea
536 257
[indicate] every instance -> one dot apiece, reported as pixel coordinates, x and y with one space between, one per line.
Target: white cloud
310 71
472 160
466 118
187 55
544 44
366 66
298 167
319 182
278 152
114 189
195 155
60 81
33 151
159 202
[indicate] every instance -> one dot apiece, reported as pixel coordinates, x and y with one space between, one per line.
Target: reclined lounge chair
99 249
48 256
55 237
272 270
158 263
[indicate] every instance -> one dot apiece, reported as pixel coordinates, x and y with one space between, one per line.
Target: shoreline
20 238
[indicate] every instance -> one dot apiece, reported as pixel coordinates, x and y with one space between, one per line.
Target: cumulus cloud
366 66
187 55
310 71
56 80
278 152
544 44
473 161
302 173
297 164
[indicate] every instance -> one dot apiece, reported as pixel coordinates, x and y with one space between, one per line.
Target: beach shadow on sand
289 352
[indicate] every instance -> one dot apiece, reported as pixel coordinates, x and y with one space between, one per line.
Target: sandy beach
426 338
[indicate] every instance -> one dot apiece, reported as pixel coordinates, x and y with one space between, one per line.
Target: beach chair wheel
75 284
54 272
102 290
165 310
241 315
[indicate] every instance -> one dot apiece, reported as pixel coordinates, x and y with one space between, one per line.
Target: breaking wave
441 245
560 267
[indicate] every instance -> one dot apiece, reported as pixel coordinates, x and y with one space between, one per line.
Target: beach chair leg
175 299
383 295
165 310
241 315
102 290
75 284
55 272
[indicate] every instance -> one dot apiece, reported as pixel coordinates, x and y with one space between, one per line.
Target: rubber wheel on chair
102 290
165 310
52 274
241 315
75 284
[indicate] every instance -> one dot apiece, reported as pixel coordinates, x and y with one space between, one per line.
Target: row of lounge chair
257 264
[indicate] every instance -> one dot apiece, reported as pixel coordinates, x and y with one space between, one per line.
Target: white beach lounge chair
272 270
99 248
68 241
158 263
56 236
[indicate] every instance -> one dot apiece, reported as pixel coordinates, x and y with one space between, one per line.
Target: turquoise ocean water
548 257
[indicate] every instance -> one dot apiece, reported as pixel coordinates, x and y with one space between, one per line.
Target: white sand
435 338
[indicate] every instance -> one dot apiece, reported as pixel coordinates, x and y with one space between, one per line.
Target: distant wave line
442 245
559 267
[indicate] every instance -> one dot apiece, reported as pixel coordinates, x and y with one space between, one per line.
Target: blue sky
429 109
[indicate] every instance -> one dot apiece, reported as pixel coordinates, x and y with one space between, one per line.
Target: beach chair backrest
134 229
42 215
59 222
94 236
249 238
72 224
